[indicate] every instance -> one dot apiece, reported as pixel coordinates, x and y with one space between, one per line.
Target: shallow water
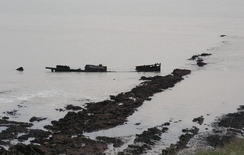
121 35
211 91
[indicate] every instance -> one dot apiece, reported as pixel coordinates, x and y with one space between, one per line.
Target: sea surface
122 34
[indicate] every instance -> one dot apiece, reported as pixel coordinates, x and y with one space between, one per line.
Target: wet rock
38 119
201 63
37 133
108 140
20 69
182 143
12 130
4 143
13 112
23 138
137 149
241 107
149 136
5 118
150 78
205 54
61 143
72 107
60 110
166 124
164 129
22 149
194 57
233 120
199 120
219 140
181 72
144 141
199 60
194 130
226 128
21 106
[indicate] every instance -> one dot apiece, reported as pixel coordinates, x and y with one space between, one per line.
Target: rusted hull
149 68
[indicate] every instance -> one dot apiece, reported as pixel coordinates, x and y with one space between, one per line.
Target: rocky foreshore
65 136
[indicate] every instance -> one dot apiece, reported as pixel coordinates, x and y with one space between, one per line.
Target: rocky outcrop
38 119
66 134
144 141
199 120
72 107
199 59
20 69
181 72
110 113
182 143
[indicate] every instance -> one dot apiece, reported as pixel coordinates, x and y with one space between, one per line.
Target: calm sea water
121 34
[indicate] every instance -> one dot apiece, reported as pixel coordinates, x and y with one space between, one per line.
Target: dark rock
194 57
206 54
219 140
182 143
3 143
20 69
72 107
181 72
5 118
222 35
151 78
199 120
199 60
21 149
201 64
23 138
12 129
13 112
241 107
164 129
184 130
60 110
37 133
38 119
194 130
115 141
226 128
144 141
166 124
234 120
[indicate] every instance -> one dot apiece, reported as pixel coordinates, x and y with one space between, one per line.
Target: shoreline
95 116
65 136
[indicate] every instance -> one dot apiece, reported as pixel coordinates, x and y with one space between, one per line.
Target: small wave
26 97
5 100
